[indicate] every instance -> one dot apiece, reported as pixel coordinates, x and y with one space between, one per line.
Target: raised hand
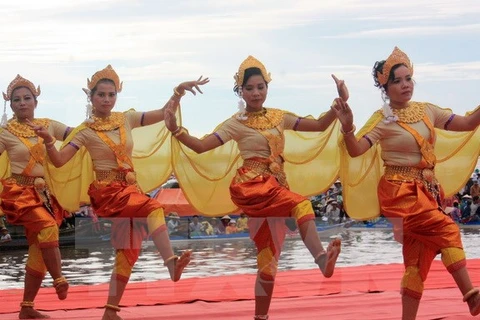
40 131
170 118
191 85
341 88
343 113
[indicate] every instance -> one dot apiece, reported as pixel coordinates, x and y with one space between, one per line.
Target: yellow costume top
16 159
311 162
456 152
148 146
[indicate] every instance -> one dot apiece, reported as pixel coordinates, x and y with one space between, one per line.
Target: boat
83 234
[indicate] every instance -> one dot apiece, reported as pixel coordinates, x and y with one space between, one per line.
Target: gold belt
271 168
111 175
409 174
20 179
107 176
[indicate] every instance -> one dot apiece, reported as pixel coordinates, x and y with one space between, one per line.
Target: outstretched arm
181 134
58 158
326 120
354 147
465 123
155 116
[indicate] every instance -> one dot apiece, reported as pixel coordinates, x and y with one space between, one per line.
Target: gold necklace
266 118
414 112
113 121
21 129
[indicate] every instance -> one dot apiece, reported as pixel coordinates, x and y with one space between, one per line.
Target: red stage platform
364 292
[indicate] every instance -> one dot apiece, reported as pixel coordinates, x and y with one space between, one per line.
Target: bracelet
349 132
51 143
174 132
112 307
176 93
180 132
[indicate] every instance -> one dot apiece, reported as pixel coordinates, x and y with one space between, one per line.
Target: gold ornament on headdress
107 73
396 57
19 81
251 62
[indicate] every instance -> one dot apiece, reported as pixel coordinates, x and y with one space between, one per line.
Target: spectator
455 213
232 227
173 223
242 223
195 227
334 213
218 228
207 228
4 235
475 189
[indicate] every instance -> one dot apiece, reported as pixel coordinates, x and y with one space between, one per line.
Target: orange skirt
128 207
416 216
23 206
263 196
267 203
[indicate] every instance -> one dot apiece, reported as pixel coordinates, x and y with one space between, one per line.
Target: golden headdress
251 62
19 81
107 73
396 57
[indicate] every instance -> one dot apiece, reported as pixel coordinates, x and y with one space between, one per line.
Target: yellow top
456 152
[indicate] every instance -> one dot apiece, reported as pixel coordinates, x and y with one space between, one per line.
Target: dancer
260 188
408 192
115 193
26 199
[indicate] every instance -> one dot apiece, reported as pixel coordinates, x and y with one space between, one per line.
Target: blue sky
154 45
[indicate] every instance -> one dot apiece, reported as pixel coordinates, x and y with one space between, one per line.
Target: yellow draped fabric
151 159
311 164
457 155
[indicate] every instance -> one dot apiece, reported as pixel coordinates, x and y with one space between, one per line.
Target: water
93 265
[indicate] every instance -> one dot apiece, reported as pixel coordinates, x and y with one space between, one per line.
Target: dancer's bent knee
156 221
35 265
412 283
48 237
123 266
303 212
453 259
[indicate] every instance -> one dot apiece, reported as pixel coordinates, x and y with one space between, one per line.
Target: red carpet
364 292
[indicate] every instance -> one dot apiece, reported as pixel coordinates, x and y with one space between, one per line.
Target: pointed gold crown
396 57
18 82
251 62
107 73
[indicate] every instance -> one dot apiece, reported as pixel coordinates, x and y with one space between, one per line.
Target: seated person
4 235
217 227
232 227
195 227
173 223
207 228
242 223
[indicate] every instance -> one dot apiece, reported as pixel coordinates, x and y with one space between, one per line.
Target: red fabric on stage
380 280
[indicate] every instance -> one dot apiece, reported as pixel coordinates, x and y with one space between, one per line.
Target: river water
93 264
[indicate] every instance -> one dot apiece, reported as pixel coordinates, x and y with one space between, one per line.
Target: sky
155 45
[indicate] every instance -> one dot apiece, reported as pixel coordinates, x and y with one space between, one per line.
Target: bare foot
474 304
326 261
110 314
61 287
30 313
180 264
